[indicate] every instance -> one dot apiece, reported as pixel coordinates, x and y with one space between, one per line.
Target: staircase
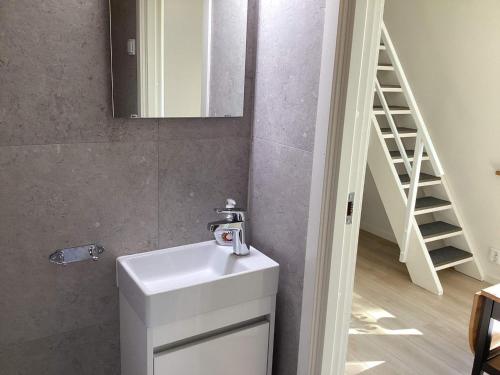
411 181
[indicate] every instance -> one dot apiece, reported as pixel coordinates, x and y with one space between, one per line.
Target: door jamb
339 164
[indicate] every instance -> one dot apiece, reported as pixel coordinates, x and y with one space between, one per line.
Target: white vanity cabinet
236 340
197 310
241 351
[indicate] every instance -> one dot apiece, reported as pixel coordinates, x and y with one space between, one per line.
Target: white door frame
350 50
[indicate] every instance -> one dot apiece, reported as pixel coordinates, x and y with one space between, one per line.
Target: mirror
178 58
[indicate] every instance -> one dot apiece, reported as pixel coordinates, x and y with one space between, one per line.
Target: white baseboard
377 231
492 279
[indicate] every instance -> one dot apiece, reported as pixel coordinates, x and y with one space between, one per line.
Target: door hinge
350 208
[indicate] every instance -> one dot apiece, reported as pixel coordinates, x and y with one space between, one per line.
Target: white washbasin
167 285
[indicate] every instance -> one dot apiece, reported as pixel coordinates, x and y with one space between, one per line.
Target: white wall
450 50
373 216
183 57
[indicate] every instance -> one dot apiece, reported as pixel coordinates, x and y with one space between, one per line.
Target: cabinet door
241 352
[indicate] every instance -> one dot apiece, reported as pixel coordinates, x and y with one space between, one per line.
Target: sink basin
168 285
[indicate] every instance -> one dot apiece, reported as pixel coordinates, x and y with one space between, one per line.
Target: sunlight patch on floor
368 319
354 368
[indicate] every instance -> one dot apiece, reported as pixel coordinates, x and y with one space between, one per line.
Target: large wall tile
66 195
195 177
71 174
93 350
287 72
279 200
55 75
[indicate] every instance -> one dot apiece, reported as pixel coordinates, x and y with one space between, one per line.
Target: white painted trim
111 59
401 135
435 209
458 262
141 59
313 276
349 174
422 184
392 89
380 112
443 236
410 158
162 43
207 57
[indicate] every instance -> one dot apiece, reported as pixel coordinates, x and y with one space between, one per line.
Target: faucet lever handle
231 211
234 214
230 203
228 211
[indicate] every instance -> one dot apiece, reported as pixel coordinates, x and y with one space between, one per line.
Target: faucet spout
233 223
239 245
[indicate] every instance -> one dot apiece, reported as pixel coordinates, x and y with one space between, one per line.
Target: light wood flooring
400 328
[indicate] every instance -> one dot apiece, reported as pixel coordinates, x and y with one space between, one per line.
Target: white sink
167 285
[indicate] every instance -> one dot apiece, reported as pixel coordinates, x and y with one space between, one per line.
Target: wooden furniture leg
483 341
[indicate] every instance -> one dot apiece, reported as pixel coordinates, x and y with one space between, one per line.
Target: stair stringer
472 269
419 263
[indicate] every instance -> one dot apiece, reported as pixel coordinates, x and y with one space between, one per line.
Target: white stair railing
412 194
423 140
392 125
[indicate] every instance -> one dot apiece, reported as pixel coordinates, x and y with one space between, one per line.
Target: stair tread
401 130
392 108
424 177
410 153
426 203
448 255
437 228
390 86
385 66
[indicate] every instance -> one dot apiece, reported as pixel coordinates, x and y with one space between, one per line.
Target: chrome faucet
233 223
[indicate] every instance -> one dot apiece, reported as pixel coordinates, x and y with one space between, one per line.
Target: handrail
412 195
410 99
423 140
393 127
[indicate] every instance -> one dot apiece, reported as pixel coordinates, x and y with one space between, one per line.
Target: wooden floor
400 328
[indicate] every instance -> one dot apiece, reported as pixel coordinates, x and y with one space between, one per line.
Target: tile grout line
157 140
282 144
79 143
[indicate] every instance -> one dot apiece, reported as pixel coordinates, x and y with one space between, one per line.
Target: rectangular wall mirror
178 58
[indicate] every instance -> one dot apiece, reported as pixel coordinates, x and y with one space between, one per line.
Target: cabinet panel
242 352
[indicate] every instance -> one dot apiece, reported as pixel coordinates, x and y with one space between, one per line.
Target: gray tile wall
286 88
227 57
71 174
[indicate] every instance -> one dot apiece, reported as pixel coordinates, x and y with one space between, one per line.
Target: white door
241 352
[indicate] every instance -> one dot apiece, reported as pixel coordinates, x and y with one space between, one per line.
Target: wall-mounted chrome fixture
76 254
131 47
